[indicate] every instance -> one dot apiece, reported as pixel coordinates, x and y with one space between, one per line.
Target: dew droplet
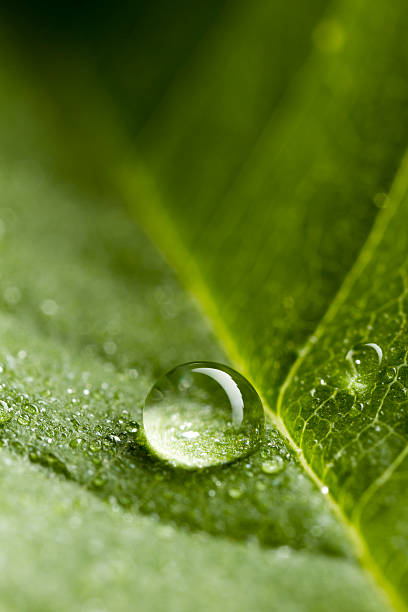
6 413
49 308
235 493
365 359
380 199
390 374
273 466
203 414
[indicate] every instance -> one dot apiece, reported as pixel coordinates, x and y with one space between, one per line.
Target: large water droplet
202 414
365 360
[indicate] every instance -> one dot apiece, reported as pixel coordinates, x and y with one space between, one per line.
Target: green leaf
259 187
359 414
75 483
90 316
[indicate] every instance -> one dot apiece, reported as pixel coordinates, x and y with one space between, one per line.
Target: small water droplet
12 295
95 446
390 374
23 419
380 199
49 308
110 347
98 482
235 493
6 413
273 466
325 490
365 359
202 414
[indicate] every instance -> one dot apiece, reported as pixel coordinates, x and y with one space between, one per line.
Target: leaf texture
256 166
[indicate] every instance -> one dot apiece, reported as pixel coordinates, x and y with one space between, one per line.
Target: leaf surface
252 204
90 316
